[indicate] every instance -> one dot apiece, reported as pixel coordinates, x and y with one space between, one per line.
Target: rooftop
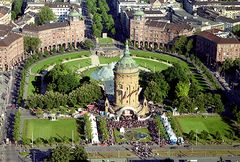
35 28
126 64
3 11
9 38
166 26
219 36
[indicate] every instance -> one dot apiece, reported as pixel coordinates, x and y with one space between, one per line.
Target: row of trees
102 126
87 93
16 126
183 46
102 20
162 132
64 153
88 128
202 102
51 141
205 135
178 85
230 66
235 109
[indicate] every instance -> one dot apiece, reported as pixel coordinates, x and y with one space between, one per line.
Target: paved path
163 62
101 65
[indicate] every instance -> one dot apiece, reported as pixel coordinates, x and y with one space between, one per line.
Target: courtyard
133 134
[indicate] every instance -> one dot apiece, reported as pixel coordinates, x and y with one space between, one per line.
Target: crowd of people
142 150
127 124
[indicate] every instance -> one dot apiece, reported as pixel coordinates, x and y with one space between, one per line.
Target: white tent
95 139
168 128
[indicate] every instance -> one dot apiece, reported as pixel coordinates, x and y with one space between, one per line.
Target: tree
204 135
61 79
80 154
103 129
61 49
157 91
176 73
180 44
218 135
45 15
200 102
26 141
184 105
236 30
192 135
16 8
61 154
182 89
217 102
97 29
227 66
51 141
38 141
16 126
88 128
13 15
87 44
189 46
31 44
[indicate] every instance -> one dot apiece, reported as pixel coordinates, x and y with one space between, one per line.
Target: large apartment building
216 46
11 48
150 33
59 34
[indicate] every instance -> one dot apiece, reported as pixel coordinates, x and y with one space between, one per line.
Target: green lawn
57 59
77 64
107 60
44 128
200 123
151 65
130 135
89 71
31 88
105 40
161 57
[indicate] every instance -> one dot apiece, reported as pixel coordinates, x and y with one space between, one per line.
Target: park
85 95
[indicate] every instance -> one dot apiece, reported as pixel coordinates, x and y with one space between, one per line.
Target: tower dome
126 64
74 13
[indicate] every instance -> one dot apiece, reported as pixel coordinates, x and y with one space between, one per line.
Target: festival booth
95 139
172 136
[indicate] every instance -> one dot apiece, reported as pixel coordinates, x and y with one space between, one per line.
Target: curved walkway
94 63
166 63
